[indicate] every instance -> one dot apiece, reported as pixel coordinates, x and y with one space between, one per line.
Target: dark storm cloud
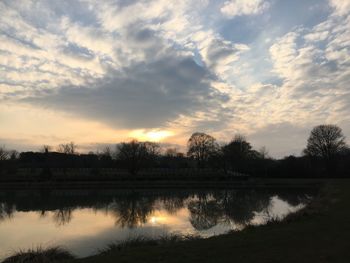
145 95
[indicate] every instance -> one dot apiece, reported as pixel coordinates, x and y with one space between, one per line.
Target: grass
40 255
141 241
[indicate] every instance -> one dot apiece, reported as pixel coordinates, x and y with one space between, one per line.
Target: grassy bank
321 236
40 255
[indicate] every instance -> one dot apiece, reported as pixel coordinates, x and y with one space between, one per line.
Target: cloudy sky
99 72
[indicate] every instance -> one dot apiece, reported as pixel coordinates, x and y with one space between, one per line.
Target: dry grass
146 241
39 255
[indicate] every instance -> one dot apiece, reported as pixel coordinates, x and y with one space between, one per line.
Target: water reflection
133 210
88 219
6 211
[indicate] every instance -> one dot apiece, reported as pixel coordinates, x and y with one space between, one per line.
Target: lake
85 221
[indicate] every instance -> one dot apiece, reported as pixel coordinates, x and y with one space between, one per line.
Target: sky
101 72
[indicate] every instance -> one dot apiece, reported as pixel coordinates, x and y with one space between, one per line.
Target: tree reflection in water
173 204
204 212
231 207
241 206
6 211
131 209
63 216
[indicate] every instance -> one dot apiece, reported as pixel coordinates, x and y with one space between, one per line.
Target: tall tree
325 141
135 155
237 152
201 147
152 153
238 148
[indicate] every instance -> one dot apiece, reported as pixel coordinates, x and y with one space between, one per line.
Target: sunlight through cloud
153 135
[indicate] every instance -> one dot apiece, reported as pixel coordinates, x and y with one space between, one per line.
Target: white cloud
315 74
317 36
234 8
220 54
341 7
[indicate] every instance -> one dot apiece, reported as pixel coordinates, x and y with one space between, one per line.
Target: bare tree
201 147
133 154
13 155
264 153
136 155
325 141
46 149
152 148
3 153
67 148
107 152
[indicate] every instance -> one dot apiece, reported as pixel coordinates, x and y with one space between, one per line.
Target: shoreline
165 184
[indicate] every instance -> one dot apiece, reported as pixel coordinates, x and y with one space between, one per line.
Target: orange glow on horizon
153 135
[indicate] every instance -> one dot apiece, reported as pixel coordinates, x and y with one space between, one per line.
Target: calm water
85 221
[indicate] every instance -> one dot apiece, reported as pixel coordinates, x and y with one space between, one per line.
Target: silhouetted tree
11 165
173 159
264 153
107 152
217 160
13 155
46 149
238 147
3 153
237 152
201 147
106 157
133 154
152 152
171 152
67 148
3 157
325 141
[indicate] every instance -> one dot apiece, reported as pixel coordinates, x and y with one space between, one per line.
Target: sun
152 135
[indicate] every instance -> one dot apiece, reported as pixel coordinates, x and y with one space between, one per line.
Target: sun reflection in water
158 219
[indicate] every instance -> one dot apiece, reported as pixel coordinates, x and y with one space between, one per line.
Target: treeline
325 155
